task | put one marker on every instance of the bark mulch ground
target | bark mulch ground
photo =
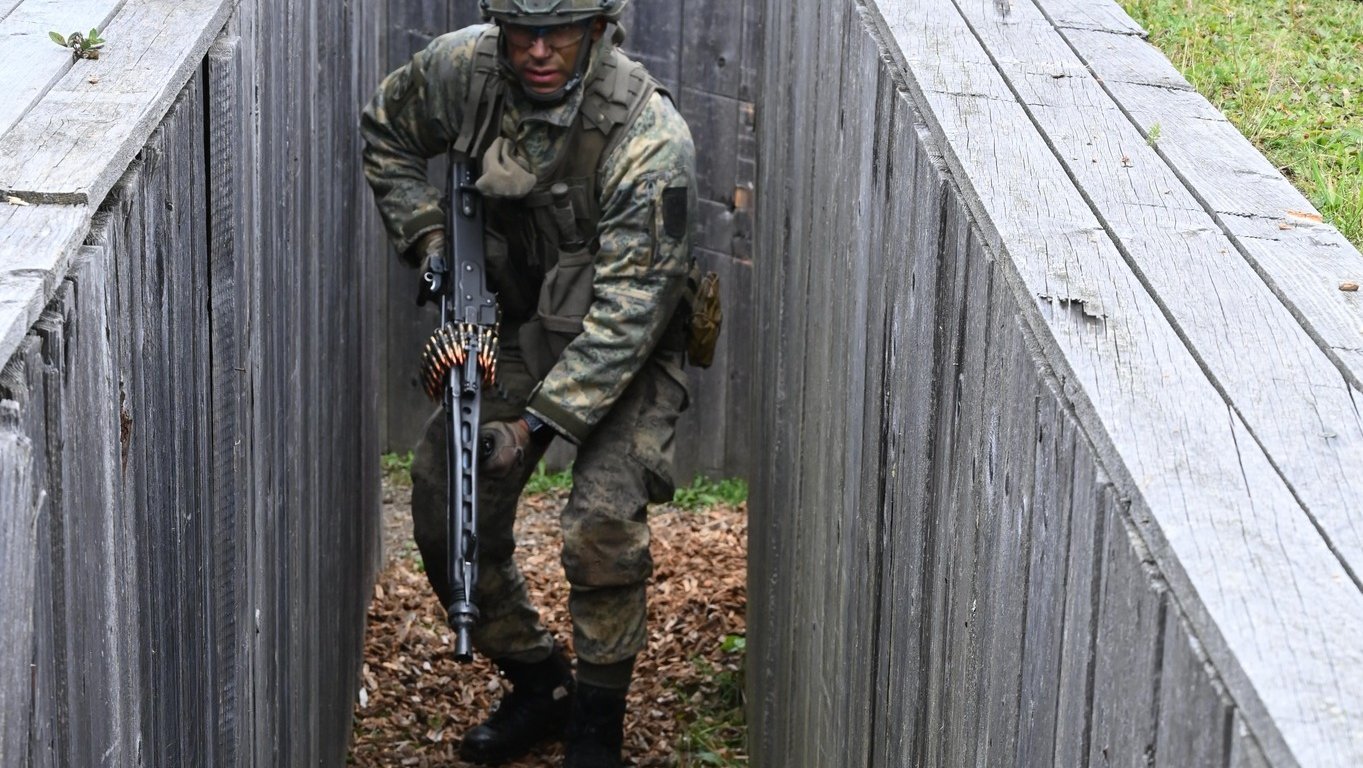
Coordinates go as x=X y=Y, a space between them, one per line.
x=415 y=700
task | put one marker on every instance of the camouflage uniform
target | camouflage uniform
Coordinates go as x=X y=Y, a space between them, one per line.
x=615 y=385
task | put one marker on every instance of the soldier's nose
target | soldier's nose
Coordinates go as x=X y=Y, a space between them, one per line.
x=540 y=49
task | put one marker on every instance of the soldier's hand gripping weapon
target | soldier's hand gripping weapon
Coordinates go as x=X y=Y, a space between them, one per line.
x=459 y=360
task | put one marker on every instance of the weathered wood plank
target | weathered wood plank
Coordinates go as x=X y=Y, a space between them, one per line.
x=1127 y=652
x=229 y=405
x=1092 y=495
x=1309 y=426
x=711 y=55
x=1245 y=751
x=36 y=243
x=1085 y=14
x=1030 y=200
x=908 y=594
x=32 y=61
x=1194 y=714
x=73 y=146
x=18 y=555
x=1047 y=583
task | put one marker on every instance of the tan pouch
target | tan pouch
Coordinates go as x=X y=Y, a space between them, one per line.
x=706 y=318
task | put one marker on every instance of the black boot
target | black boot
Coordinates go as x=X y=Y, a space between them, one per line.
x=597 y=732
x=537 y=710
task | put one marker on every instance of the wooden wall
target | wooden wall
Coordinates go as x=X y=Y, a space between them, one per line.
x=1032 y=387
x=706 y=52
x=188 y=439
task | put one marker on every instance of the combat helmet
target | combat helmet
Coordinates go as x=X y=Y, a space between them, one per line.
x=550 y=12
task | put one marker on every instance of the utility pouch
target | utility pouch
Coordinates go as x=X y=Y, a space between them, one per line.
x=706 y=318
x=565 y=298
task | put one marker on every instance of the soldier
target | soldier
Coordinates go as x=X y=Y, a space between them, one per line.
x=593 y=333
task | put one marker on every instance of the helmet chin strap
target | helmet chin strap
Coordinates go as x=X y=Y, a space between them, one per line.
x=584 y=55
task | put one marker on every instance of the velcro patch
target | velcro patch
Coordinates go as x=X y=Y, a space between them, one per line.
x=674 y=212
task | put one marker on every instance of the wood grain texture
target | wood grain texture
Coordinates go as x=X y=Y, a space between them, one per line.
x=76 y=142
x=18 y=553
x=177 y=600
x=1070 y=618
x=32 y=61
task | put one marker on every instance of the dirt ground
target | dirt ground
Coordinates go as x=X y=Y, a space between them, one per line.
x=416 y=700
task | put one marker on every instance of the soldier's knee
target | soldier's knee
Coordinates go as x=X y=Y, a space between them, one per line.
x=603 y=551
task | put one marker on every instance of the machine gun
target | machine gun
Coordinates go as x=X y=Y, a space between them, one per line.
x=459 y=360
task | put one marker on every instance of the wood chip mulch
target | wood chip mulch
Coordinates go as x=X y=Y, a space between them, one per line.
x=415 y=700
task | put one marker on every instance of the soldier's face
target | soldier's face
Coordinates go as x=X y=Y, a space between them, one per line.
x=544 y=57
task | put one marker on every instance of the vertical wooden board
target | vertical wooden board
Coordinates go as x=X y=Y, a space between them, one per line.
x=740 y=334
x=950 y=342
x=1010 y=571
x=716 y=119
x=44 y=372
x=1052 y=496
x=1244 y=747
x=655 y=33
x=911 y=528
x=754 y=30
x=101 y=675
x=1128 y=652
x=229 y=403
x=768 y=547
x=861 y=357
x=18 y=554
x=21 y=382
x=1194 y=715
x=964 y=501
x=1085 y=565
x=711 y=53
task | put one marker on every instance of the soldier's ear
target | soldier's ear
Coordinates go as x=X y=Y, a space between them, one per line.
x=598 y=28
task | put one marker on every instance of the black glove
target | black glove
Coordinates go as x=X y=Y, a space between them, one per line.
x=433 y=272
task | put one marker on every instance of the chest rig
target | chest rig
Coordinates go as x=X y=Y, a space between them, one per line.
x=542 y=278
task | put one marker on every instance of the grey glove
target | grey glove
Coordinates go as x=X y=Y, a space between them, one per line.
x=433 y=272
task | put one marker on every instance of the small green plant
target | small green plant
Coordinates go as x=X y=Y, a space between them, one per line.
x=1152 y=135
x=703 y=492
x=543 y=482
x=83 y=46
x=397 y=468
x=714 y=726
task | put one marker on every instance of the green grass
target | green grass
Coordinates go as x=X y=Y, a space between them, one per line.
x=544 y=482
x=397 y=468
x=714 y=730
x=1289 y=75
x=703 y=492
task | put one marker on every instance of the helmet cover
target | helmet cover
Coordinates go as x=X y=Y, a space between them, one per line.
x=550 y=12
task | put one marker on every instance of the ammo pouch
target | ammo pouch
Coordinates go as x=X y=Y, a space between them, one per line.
x=565 y=298
x=702 y=332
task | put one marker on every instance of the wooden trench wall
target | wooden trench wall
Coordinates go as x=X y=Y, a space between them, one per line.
x=188 y=439
x=1059 y=418
x=706 y=52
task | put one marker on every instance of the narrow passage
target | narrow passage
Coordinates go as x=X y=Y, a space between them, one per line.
x=686 y=703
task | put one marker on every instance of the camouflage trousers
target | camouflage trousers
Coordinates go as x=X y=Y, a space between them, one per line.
x=624 y=465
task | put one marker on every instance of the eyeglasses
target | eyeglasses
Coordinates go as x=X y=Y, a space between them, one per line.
x=558 y=37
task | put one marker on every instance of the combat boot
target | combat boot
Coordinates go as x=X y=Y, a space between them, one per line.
x=597 y=731
x=537 y=710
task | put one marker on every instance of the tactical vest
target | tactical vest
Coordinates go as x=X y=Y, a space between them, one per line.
x=544 y=288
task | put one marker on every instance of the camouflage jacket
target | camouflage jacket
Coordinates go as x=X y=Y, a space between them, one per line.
x=642 y=261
